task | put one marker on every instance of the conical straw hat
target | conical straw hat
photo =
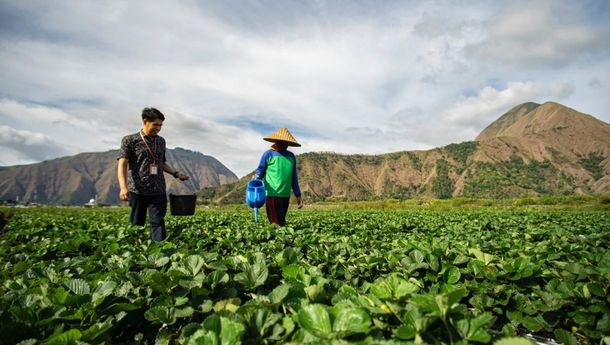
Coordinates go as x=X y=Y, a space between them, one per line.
x=284 y=135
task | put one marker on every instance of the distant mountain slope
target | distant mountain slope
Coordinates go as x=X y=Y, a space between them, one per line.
x=533 y=149
x=77 y=179
x=559 y=127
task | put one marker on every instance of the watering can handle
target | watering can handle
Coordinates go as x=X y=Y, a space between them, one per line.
x=254 y=178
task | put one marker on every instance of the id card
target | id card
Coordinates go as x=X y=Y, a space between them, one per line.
x=153 y=169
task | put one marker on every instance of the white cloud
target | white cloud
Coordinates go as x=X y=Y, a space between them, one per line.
x=36 y=114
x=237 y=148
x=29 y=146
x=485 y=107
x=542 y=33
x=343 y=76
x=73 y=131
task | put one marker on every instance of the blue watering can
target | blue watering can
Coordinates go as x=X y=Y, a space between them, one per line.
x=255 y=196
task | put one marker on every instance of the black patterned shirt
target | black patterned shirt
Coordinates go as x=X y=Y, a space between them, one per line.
x=140 y=158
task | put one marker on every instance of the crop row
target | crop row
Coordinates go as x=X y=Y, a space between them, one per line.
x=467 y=276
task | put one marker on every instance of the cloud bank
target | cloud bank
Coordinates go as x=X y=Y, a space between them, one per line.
x=348 y=77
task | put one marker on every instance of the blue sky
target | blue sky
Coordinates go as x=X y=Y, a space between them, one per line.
x=343 y=76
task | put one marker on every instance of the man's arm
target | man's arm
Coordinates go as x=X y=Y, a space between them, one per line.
x=168 y=169
x=122 y=174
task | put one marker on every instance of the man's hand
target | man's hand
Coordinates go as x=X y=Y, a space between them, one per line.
x=124 y=194
x=122 y=175
x=299 y=202
x=182 y=177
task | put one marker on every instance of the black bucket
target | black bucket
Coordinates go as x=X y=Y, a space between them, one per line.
x=182 y=205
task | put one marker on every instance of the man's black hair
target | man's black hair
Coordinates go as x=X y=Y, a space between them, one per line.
x=152 y=114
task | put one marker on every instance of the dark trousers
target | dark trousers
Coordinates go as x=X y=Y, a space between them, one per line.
x=277 y=207
x=156 y=206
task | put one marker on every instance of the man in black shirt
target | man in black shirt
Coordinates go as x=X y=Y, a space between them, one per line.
x=140 y=170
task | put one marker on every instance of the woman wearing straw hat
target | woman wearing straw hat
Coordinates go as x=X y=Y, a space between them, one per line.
x=278 y=169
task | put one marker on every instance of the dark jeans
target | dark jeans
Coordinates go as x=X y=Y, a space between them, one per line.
x=277 y=207
x=156 y=206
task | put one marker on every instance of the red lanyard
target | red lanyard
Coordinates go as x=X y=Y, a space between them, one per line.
x=152 y=153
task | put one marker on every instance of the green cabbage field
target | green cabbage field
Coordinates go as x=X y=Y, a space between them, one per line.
x=457 y=276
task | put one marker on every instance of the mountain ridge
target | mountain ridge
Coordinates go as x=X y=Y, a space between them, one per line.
x=531 y=150
x=77 y=179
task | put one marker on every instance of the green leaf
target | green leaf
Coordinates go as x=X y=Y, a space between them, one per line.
x=230 y=331
x=183 y=312
x=565 y=337
x=59 y=296
x=441 y=304
x=263 y=320
x=345 y=293
x=293 y=273
x=433 y=262
x=157 y=260
x=119 y=307
x=202 y=337
x=102 y=290
x=164 y=337
x=483 y=257
x=455 y=296
x=97 y=329
x=533 y=323
x=403 y=288
x=350 y=320
x=231 y=304
x=452 y=275
x=513 y=341
x=475 y=329
x=514 y=316
x=28 y=342
x=162 y=315
x=64 y=338
x=253 y=276
x=193 y=264
x=315 y=293
x=193 y=282
x=180 y=301
x=415 y=319
x=476 y=266
x=68 y=314
x=159 y=281
x=596 y=289
x=288 y=324
x=189 y=330
x=279 y=293
x=212 y=323
x=315 y=319
x=584 y=319
x=78 y=286
x=206 y=306
x=393 y=287
x=287 y=257
x=603 y=324
x=381 y=289
x=425 y=302
x=416 y=256
x=217 y=277
x=406 y=332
